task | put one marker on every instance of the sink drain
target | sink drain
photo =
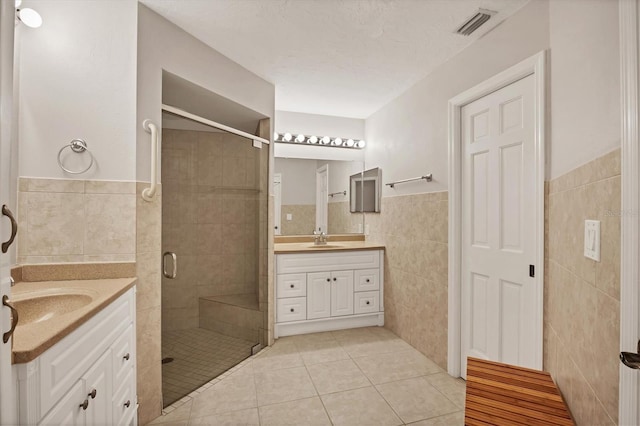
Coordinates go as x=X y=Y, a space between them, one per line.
x=167 y=360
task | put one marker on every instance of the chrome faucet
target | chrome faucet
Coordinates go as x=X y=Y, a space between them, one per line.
x=319 y=238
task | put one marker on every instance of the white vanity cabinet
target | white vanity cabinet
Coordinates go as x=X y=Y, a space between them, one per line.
x=88 y=377
x=331 y=290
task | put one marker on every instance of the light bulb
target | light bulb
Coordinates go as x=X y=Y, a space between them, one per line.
x=337 y=141
x=287 y=137
x=325 y=140
x=312 y=139
x=350 y=142
x=361 y=144
x=30 y=17
x=276 y=136
x=18 y=3
x=300 y=138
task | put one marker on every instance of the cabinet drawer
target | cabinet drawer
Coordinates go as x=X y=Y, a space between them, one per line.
x=122 y=356
x=367 y=279
x=292 y=309
x=327 y=261
x=291 y=285
x=124 y=399
x=366 y=302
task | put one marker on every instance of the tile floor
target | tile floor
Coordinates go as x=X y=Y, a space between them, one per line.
x=358 y=377
x=199 y=355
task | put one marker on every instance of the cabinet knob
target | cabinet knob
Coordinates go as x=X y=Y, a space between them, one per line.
x=127 y=404
x=126 y=357
x=368 y=303
x=292 y=309
x=93 y=394
x=367 y=279
x=328 y=279
x=292 y=286
x=85 y=404
x=335 y=279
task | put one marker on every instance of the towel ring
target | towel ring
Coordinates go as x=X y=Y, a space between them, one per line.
x=77 y=146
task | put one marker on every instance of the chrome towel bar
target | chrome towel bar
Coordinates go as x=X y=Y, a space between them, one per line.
x=428 y=178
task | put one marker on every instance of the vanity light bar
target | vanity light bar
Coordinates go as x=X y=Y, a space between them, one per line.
x=316 y=140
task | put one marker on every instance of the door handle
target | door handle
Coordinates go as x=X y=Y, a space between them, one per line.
x=14 y=319
x=14 y=228
x=174 y=272
x=630 y=359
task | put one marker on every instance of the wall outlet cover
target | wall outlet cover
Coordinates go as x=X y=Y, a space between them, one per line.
x=289 y=216
x=592 y=239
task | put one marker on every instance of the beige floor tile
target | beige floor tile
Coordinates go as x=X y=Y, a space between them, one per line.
x=276 y=361
x=374 y=346
x=362 y=407
x=389 y=367
x=452 y=388
x=308 y=412
x=283 y=385
x=317 y=352
x=415 y=399
x=230 y=394
x=178 y=416
x=353 y=334
x=247 y=417
x=337 y=376
x=455 y=419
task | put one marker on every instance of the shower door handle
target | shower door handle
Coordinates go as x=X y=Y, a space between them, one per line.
x=174 y=258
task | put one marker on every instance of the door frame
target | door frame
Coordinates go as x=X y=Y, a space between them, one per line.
x=629 y=380
x=534 y=65
x=277 y=203
x=322 y=201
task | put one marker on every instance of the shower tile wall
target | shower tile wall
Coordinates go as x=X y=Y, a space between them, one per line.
x=209 y=219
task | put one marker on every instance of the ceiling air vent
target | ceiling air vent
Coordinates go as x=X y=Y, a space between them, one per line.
x=475 y=22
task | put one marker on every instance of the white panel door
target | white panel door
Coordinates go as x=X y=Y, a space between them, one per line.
x=68 y=411
x=98 y=385
x=318 y=295
x=322 y=198
x=498 y=234
x=341 y=293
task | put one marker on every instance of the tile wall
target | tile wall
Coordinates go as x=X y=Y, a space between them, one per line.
x=414 y=230
x=71 y=221
x=303 y=219
x=148 y=300
x=582 y=297
x=342 y=221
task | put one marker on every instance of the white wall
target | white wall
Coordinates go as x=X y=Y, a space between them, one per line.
x=585 y=82
x=408 y=137
x=78 y=80
x=319 y=125
x=163 y=45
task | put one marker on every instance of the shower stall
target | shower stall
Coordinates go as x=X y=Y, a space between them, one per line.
x=214 y=244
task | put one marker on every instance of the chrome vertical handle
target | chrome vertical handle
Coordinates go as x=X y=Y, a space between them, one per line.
x=14 y=319
x=14 y=228
x=174 y=271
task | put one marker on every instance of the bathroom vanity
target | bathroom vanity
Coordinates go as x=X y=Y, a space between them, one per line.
x=332 y=287
x=76 y=364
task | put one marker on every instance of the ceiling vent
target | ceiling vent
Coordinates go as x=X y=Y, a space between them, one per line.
x=475 y=22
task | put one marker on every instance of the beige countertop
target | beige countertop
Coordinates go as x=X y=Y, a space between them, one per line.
x=31 y=339
x=308 y=247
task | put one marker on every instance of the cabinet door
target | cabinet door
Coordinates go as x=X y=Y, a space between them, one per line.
x=68 y=410
x=318 y=295
x=99 y=391
x=341 y=293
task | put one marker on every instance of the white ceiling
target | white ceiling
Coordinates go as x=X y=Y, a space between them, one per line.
x=334 y=57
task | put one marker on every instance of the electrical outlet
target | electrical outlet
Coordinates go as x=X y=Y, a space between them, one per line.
x=289 y=216
x=592 y=239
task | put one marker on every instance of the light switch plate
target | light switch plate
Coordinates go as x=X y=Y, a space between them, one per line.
x=592 y=239
x=289 y=216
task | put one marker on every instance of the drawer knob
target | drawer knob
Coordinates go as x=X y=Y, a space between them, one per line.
x=93 y=394
x=127 y=404
x=292 y=309
x=85 y=404
x=368 y=280
x=328 y=279
x=126 y=357
x=292 y=286
x=368 y=303
x=334 y=278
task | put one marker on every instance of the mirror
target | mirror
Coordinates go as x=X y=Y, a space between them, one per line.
x=314 y=195
x=365 y=191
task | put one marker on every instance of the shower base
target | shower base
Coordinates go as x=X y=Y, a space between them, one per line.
x=199 y=355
